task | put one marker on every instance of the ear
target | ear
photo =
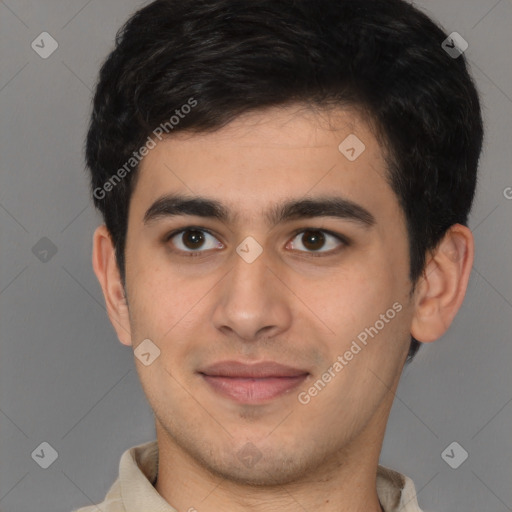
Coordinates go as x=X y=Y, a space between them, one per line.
x=105 y=267
x=441 y=289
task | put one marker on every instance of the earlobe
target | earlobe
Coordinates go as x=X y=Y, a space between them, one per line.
x=441 y=289
x=105 y=267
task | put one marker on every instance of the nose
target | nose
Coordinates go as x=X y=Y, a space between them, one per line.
x=253 y=302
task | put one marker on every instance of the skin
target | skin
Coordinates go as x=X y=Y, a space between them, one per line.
x=287 y=306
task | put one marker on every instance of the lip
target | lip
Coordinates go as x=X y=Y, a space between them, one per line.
x=254 y=382
x=258 y=370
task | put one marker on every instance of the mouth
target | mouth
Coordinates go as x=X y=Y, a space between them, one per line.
x=252 y=383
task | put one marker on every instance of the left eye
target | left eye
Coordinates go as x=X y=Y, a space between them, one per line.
x=314 y=240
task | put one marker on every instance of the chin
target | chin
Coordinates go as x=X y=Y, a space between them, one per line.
x=262 y=476
x=270 y=469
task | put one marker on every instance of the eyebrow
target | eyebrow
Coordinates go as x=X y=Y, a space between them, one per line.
x=173 y=205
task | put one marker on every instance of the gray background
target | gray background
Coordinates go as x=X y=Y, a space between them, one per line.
x=66 y=380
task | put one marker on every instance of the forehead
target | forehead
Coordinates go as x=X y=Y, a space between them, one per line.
x=267 y=156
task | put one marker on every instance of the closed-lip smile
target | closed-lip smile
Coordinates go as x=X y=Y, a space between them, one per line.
x=252 y=382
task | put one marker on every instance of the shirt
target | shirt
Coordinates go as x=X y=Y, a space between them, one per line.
x=133 y=491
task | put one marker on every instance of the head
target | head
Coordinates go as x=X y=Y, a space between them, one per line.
x=246 y=103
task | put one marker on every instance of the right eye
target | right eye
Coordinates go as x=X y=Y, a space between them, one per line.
x=193 y=241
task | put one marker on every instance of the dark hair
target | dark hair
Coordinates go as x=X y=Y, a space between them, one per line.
x=234 y=56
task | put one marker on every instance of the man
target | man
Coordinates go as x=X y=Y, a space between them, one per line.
x=285 y=188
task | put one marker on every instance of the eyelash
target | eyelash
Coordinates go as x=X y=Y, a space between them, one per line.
x=191 y=254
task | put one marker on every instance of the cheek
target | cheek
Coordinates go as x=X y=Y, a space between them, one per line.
x=156 y=299
x=158 y=308
x=352 y=299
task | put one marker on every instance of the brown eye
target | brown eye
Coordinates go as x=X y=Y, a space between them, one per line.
x=317 y=241
x=313 y=240
x=192 y=239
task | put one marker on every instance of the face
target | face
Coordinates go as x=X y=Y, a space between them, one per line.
x=279 y=299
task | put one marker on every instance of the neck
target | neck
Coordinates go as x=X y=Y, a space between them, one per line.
x=344 y=482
